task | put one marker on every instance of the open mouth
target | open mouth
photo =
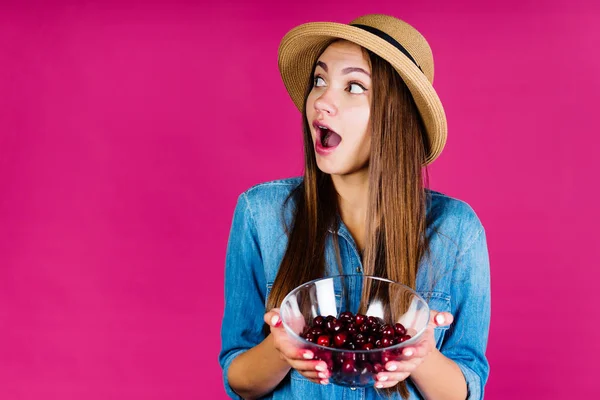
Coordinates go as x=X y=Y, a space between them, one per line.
x=327 y=136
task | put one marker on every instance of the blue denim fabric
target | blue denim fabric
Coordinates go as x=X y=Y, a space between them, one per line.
x=455 y=278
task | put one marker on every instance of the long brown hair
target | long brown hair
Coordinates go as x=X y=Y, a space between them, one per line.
x=396 y=218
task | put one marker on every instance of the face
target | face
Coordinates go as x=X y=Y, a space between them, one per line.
x=338 y=109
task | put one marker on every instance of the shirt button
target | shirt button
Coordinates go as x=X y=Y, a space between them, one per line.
x=352 y=388
x=358 y=269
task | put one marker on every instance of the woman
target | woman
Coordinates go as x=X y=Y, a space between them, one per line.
x=372 y=122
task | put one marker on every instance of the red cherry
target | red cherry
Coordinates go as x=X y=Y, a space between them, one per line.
x=360 y=339
x=368 y=346
x=323 y=340
x=400 y=329
x=359 y=319
x=332 y=325
x=388 y=330
x=338 y=326
x=319 y=321
x=348 y=367
x=387 y=357
x=340 y=339
x=403 y=338
x=347 y=317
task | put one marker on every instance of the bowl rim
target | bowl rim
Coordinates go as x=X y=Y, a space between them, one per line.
x=407 y=343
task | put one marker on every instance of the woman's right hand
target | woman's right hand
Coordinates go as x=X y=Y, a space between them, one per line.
x=298 y=358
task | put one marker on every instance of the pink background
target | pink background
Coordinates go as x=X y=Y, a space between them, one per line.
x=127 y=130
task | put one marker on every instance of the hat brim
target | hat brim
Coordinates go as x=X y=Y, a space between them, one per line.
x=300 y=46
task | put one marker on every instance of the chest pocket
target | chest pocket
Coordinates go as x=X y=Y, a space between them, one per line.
x=438 y=301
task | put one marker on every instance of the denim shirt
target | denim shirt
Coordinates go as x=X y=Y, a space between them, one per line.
x=455 y=278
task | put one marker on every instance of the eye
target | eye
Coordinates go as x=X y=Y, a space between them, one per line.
x=318 y=81
x=356 y=88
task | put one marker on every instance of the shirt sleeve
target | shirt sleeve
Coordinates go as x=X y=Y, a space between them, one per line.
x=244 y=291
x=467 y=337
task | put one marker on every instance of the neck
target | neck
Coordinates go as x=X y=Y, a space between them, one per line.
x=353 y=197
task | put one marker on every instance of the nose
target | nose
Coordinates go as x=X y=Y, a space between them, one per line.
x=325 y=103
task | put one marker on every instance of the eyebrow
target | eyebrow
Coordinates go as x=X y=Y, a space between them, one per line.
x=346 y=70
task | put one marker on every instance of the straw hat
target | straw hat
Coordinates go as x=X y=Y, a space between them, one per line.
x=390 y=38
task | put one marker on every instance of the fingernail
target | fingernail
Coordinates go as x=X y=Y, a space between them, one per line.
x=319 y=367
x=382 y=378
x=379 y=385
x=324 y=382
x=439 y=319
x=408 y=353
x=275 y=320
x=308 y=355
x=391 y=367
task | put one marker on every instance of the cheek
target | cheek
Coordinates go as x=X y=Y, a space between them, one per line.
x=358 y=122
x=310 y=101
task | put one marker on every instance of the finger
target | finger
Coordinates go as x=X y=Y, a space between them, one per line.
x=440 y=318
x=272 y=318
x=410 y=353
x=387 y=381
x=400 y=366
x=309 y=366
x=314 y=375
x=292 y=353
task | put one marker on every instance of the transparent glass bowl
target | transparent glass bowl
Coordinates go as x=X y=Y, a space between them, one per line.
x=358 y=294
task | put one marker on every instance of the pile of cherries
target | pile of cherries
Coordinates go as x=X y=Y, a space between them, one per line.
x=354 y=332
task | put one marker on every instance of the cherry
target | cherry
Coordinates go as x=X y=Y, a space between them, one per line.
x=340 y=339
x=360 y=340
x=323 y=340
x=348 y=367
x=359 y=319
x=387 y=357
x=388 y=330
x=400 y=329
x=364 y=328
x=337 y=327
x=403 y=338
x=347 y=317
x=331 y=324
x=319 y=321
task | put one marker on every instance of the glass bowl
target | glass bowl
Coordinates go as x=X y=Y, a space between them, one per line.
x=338 y=300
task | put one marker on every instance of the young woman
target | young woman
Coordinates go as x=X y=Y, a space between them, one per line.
x=372 y=123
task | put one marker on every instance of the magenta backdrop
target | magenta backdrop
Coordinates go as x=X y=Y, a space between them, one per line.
x=128 y=130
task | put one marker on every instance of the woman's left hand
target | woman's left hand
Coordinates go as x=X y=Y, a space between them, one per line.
x=413 y=356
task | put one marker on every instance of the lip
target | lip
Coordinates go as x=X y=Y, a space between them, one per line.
x=318 y=146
